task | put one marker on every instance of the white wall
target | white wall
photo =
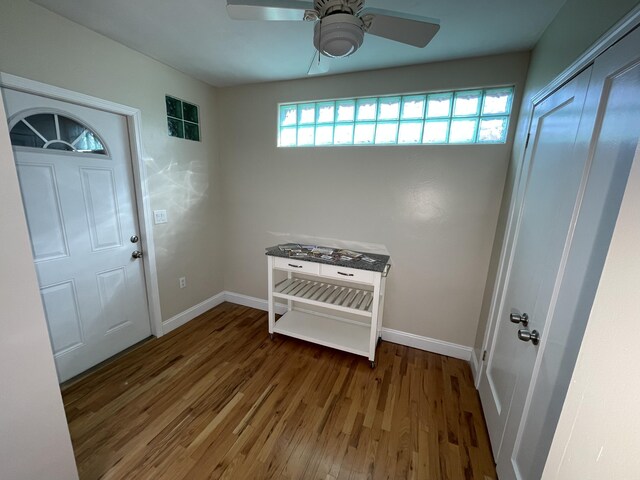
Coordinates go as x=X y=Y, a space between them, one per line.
x=578 y=24
x=433 y=207
x=34 y=438
x=598 y=434
x=183 y=176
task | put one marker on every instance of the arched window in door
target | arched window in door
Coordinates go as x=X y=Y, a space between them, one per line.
x=56 y=132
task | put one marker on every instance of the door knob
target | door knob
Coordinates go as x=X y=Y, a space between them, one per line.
x=527 y=336
x=524 y=319
x=134 y=239
x=136 y=254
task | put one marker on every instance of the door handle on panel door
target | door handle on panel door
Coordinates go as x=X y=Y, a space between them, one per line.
x=524 y=319
x=527 y=336
x=136 y=254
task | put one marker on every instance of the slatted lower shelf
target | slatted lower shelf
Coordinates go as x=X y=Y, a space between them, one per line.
x=346 y=299
x=346 y=336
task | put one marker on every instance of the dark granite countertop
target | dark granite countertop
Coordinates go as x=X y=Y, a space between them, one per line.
x=380 y=264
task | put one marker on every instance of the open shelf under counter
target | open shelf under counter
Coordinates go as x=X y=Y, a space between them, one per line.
x=347 y=336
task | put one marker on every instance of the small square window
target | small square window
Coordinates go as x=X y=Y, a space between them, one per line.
x=325 y=112
x=191 y=131
x=410 y=132
x=190 y=112
x=288 y=137
x=413 y=107
x=366 y=109
x=497 y=101
x=467 y=103
x=345 y=110
x=343 y=134
x=435 y=131
x=439 y=105
x=493 y=130
x=176 y=127
x=306 y=135
x=364 y=133
x=288 y=115
x=389 y=108
x=386 y=133
x=463 y=131
x=306 y=114
x=174 y=107
x=324 y=135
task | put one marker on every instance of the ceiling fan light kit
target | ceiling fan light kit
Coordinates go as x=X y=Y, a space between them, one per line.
x=338 y=35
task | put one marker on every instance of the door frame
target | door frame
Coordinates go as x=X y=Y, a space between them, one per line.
x=140 y=183
x=617 y=32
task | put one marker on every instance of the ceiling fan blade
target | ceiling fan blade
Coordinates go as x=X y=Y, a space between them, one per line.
x=319 y=64
x=271 y=10
x=410 y=29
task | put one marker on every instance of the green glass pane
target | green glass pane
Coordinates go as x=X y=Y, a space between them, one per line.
x=345 y=110
x=190 y=112
x=343 y=134
x=191 y=131
x=410 y=132
x=386 y=133
x=174 y=107
x=463 y=131
x=439 y=105
x=493 y=130
x=288 y=115
x=497 y=101
x=467 y=103
x=306 y=136
x=325 y=112
x=364 y=133
x=288 y=136
x=176 y=127
x=366 y=109
x=413 y=107
x=306 y=114
x=435 y=131
x=389 y=108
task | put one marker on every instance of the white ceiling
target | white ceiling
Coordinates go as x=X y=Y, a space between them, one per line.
x=197 y=36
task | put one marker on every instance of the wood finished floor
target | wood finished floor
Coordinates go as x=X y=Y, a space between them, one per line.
x=218 y=399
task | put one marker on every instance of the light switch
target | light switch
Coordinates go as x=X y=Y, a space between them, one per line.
x=160 y=216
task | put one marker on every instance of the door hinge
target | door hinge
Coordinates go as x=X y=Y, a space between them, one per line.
x=484 y=355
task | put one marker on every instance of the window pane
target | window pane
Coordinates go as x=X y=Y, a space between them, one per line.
x=89 y=143
x=493 y=130
x=44 y=124
x=364 y=133
x=174 y=107
x=439 y=105
x=23 y=136
x=497 y=101
x=70 y=130
x=190 y=112
x=176 y=127
x=410 y=132
x=467 y=103
x=463 y=131
x=288 y=136
x=325 y=112
x=389 y=108
x=386 y=133
x=367 y=109
x=324 y=135
x=191 y=131
x=435 y=131
x=288 y=115
x=413 y=107
x=305 y=135
x=346 y=110
x=343 y=134
x=307 y=114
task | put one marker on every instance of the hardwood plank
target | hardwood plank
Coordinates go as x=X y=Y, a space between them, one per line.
x=217 y=399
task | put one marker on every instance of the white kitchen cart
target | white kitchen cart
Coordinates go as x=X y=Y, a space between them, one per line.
x=353 y=295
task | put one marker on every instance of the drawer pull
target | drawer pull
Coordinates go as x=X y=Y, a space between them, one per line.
x=346 y=274
x=295 y=266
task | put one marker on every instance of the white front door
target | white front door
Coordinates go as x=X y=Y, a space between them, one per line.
x=75 y=174
x=559 y=252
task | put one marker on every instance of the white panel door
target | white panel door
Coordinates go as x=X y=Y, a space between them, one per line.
x=608 y=136
x=81 y=213
x=555 y=172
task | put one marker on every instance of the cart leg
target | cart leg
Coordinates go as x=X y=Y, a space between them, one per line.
x=372 y=364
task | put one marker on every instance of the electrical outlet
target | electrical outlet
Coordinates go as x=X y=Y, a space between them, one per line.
x=183 y=282
x=159 y=216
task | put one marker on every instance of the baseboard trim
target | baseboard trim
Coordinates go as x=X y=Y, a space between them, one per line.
x=191 y=313
x=428 y=344
x=253 y=302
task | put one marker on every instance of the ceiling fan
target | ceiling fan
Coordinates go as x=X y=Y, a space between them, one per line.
x=340 y=25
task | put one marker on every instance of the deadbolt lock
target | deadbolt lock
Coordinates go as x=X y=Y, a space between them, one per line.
x=523 y=319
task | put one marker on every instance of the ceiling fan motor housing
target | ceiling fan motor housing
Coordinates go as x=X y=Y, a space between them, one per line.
x=338 y=35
